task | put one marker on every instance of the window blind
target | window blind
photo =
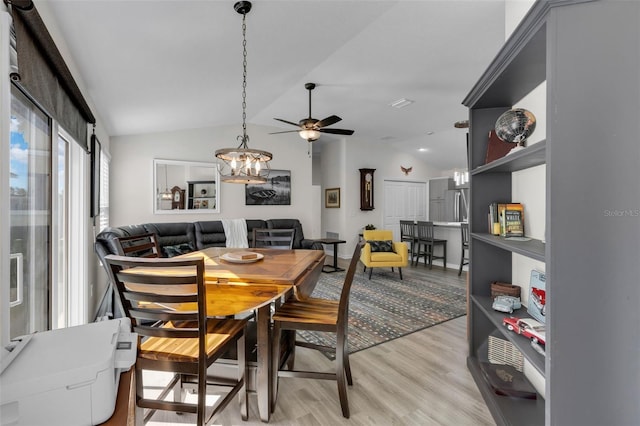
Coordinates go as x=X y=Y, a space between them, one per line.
x=44 y=75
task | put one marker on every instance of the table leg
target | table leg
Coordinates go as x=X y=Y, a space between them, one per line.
x=264 y=385
x=334 y=267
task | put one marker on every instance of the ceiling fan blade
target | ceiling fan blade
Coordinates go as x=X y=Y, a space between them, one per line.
x=328 y=121
x=337 y=131
x=288 y=122
x=286 y=131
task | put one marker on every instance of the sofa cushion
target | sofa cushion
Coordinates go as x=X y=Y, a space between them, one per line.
x=209 y=234
x=178 y=249
x=173 y=234
x=381 y=246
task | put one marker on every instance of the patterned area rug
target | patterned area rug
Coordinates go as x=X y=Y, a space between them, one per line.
x=385 y=307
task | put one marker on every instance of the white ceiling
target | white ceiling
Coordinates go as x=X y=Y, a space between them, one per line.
x=161 y=65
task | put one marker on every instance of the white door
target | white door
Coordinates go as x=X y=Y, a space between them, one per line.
x=403 y=201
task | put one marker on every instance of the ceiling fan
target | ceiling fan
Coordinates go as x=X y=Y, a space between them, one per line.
x=310 y=128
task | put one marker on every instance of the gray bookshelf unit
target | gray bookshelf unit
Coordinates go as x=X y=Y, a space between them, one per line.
x=588 y=52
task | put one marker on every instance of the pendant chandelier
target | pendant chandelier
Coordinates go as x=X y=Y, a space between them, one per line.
x=242 y=164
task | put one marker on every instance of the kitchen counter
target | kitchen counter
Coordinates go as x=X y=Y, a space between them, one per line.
x=450 y=231
x=448 y=224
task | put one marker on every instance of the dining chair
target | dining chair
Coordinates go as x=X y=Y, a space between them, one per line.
x=143 y=245
x=273 y=238
x=317 y=315
x=182 y=340
x=426 y=244
x=464 y=260
x=408 y=234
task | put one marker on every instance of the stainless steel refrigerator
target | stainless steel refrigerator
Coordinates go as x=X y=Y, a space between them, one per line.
x=456 y=205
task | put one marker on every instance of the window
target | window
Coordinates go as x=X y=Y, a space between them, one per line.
x=30 y=217
x=103 y=218
x=48 y=222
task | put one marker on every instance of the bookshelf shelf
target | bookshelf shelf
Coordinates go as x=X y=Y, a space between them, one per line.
x=534 y=249
x=522 y=343
x=531 y=156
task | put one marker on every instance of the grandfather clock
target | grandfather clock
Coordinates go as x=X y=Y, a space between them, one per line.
x=366 y=189
x=177 y=198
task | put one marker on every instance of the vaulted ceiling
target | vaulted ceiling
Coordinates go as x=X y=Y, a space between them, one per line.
x=152 y=66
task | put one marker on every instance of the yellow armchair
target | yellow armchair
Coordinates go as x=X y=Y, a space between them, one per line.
x=399 y=257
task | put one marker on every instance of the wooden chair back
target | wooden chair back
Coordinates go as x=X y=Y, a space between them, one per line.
x=407 y=230
x=143 y=245
x=274 y=238
x=154 y=297
x=343 y=309
x=464 y=230
x=425 y=230
x=167 y=309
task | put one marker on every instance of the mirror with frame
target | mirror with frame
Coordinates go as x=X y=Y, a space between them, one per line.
x=185 y=187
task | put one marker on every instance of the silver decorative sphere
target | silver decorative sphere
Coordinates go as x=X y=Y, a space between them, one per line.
x=515 y=125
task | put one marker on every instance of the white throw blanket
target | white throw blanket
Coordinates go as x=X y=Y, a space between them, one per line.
x=235 y=231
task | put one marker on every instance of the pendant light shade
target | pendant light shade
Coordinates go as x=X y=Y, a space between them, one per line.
x=242 y=164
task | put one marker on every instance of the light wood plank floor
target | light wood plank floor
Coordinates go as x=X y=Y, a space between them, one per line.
x=419 y=379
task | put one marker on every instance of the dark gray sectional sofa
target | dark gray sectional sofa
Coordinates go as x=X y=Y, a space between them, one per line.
x=183 y=237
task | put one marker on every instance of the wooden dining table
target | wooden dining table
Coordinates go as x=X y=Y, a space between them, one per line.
x=237 y=288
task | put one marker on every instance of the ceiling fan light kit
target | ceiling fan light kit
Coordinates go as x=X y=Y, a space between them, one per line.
x=242 y=164
x=311 y=128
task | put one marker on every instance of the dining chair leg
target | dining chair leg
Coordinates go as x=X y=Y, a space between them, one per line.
x=242 y=376
x=275 y=363
x=290 y=336
x=444 y=255
x=345 y=352
x=341 y=375
x=202 y=393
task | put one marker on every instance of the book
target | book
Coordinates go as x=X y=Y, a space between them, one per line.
x=511 y=219
x=494 y=219
x=500 y=215
x=537 y=306
x=514 y=220
x=242 y=255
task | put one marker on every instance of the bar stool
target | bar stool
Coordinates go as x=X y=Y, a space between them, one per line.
x=464 y=231
x=408 y=234
x=426 y=244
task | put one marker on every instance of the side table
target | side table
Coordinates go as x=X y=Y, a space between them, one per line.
x=334 y=242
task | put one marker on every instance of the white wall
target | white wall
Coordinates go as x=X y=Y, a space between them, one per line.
x=132 y=175
x=341 y=161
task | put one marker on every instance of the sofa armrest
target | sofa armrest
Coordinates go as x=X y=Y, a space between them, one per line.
x=311 y=245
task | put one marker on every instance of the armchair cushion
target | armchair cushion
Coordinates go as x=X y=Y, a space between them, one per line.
x=381 y=246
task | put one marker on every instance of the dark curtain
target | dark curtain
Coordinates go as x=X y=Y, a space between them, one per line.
x=44 y=75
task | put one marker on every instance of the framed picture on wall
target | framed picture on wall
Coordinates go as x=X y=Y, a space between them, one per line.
x=332 y=198
x=275 y=192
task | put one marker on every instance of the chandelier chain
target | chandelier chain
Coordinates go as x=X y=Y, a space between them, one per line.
x=244 y=80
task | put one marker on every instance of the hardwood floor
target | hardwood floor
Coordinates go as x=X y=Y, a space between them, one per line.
x=419 y=379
